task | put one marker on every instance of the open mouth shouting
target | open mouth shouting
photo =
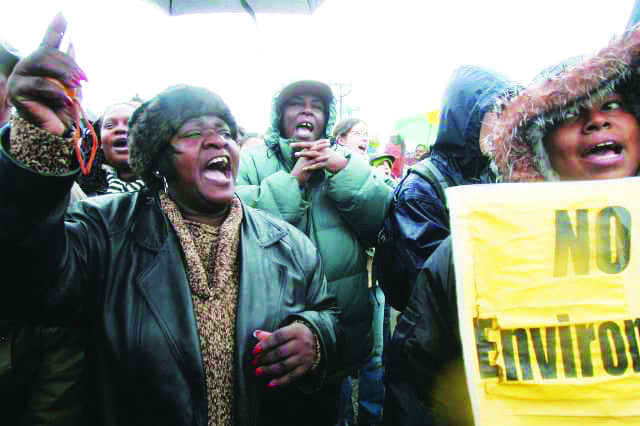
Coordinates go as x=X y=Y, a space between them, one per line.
x=602 y=142
x=218 y=170
x=120 y=145
x=605 y=153
x=303 y=117
x=304 y=130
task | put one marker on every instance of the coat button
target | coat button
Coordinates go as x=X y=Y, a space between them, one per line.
x=2 y=339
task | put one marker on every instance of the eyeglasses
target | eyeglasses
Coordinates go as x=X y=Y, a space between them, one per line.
x=360 y=133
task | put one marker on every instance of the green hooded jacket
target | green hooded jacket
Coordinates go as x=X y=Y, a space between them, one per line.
x=341 y=213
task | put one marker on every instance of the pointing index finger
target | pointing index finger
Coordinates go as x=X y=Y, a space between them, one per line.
x=55 y=32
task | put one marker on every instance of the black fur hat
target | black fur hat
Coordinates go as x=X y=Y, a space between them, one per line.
x=156 y=122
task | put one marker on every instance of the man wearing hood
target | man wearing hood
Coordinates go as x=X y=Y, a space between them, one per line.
x=581 y=121
x=420 y=216
x=334 y=197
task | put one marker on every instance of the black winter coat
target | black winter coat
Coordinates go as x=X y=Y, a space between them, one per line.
x=41 y=370
x=115 y=265
x=424 y=370
x=421 y=347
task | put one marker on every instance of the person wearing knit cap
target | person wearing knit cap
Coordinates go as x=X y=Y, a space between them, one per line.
x=198 y=308
x=330 y=194
x=382 y=162
x=578 y=121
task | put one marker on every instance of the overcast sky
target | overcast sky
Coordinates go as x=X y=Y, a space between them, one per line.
x=396 y=55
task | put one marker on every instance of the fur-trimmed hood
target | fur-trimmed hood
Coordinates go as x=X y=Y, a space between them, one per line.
x=278 y=144
x=516 y=143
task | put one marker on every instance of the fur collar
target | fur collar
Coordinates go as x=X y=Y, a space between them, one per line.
x=516 y=143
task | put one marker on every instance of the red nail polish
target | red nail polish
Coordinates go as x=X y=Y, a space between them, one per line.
x=271 y=385
x=259 y=371
x=256 y=350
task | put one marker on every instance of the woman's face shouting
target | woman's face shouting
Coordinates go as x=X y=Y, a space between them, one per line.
x=206 y=163
x=114 y=134
x=600 y=142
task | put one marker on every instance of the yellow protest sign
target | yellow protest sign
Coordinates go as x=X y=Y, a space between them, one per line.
x=549 y=301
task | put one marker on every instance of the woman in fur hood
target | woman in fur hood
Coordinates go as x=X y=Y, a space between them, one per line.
x=578 y=121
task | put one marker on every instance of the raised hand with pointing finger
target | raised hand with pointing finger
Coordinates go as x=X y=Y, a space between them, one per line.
x=42 y=84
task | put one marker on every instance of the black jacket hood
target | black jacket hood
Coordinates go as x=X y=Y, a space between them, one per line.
x=470 y=93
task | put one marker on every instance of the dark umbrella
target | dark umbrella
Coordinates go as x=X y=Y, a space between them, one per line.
x=184 y=7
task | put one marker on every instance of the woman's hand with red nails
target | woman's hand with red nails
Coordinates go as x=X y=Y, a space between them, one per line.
x=285 y=355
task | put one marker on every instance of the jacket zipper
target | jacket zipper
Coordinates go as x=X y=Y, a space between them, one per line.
x=270 y=326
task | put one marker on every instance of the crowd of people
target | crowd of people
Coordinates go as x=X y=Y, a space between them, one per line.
x=203 y=274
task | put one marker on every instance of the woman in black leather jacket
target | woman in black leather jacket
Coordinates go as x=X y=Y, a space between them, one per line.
x=198 y=309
